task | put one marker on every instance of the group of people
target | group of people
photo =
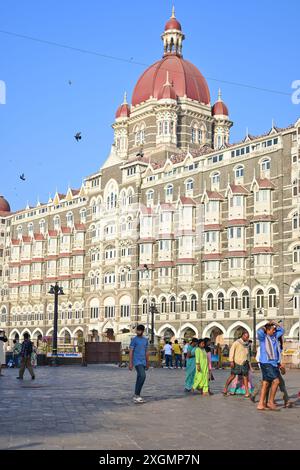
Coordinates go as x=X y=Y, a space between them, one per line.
x=24 y=355
x=198 y=362
x=269 y=361
x=178 y=352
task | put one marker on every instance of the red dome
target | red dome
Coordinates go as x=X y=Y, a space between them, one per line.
x=173 y=24
x=4 y=206
x=123 y=111
x=185 y=77
x=220 y=108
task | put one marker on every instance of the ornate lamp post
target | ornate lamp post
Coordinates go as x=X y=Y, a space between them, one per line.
x=56 y=291
x=254 y=331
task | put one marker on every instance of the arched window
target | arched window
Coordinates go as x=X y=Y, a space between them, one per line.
x=245 y=300
x=30 y=229
x=189 y=185
x=56 y=222
x=201 y=133
x=234 y=301
x=150 y=196
x=130 y=197
x=296 y=254
x=169 y=190
x=184 y=304
x=265 y=165
x=239 y=171
x=272 y=298
x=169 y=193
x=83 y=216
x=194 y=135
x=163 y=305
x=145 y=307
x=142 y=134
x=260 y=299
x=172 y=305
x=70 y=219
x=215 y=178
x=296 y=224
x=296 y=187
x=210 y=302
x=194 y=303
x=137 y=137
x=20 y=231
x=219 y=141
x=42 y=224
x=220 y=301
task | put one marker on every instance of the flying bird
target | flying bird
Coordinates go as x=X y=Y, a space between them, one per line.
x=77 y=136
x=22 y=177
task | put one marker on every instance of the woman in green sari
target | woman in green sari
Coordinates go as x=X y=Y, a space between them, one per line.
x=190 y=365
x=201 y=381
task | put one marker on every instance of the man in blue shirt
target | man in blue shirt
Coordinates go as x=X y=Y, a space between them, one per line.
x=139 y=358
x=269 y=359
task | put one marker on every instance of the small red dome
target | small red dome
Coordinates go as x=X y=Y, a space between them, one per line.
x=4 y=205
x=220 y=108
x=187 y=81
x=123 y=111
x=173 y=24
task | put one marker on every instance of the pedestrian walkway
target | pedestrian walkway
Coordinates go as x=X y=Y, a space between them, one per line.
x=91 y=408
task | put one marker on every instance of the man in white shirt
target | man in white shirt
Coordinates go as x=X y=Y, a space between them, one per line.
x=168 y=355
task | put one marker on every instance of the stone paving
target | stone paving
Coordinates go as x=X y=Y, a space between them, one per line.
x=74 y=407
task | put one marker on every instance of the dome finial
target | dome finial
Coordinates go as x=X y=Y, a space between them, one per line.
x=173 y=12
x=125 y=98
x=220 y=95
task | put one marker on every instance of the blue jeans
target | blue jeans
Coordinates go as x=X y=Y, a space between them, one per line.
x=169 y=362
x=178 y=360
x=140 y=379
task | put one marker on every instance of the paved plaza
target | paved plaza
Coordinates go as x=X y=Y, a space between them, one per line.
x=74 y=407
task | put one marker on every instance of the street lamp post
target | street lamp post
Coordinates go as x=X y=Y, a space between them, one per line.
x=56 y=291
x=254 y=330
x=153 y=312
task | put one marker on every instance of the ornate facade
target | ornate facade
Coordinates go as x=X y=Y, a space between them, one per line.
x=177 y=217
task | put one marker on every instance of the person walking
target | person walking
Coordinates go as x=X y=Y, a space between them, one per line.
x=239 y=362
x=3 y=340
x=201 y=380
x=139 y=358
x=168 y=355
x=34 y=356
x=190 y=365
x=16 y=350
x=185 y=350
x=178 y=354
x=269 y=359
x=26 y=352
x=207 y=343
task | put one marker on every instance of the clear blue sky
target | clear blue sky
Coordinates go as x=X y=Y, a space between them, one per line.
x=253 y=42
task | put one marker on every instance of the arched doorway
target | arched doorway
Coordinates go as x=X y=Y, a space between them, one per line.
x=239 y=332
x=168 y=334
x=189 y=334
x=216 y=335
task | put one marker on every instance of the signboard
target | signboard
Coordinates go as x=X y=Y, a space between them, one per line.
x=65 y=355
